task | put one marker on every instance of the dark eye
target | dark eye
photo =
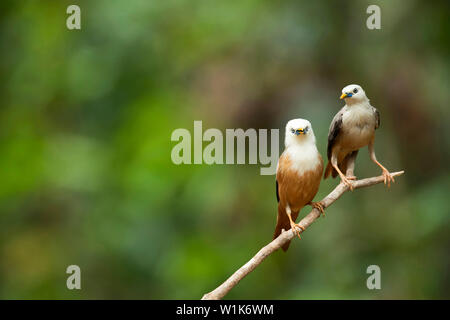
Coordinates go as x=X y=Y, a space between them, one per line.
x=355 y=90
x=292 y=130
x=306 y=129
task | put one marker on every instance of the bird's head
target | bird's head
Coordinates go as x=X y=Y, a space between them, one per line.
x=353 y=93
x=299 y=131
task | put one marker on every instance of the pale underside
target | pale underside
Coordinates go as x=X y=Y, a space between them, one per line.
x=356 y=130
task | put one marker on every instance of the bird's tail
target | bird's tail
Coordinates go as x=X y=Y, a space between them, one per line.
x=283 y=223
x=330 y=170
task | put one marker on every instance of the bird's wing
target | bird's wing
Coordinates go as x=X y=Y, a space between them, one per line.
x=377 y=117
x=333 y=133
x=280 y=177
x=278 y=195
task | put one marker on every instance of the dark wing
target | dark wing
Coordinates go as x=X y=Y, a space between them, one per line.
x=377 y=117
x=278 y=195
x=335 y=129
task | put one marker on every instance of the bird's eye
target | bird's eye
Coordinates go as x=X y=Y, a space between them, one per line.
x=293 y=130
x=355 y=90
x=306 y=129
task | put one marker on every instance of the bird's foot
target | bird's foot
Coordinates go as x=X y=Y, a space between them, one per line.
x=294 y=227
x=347 y=182
x=318 y=206
x=351 y=177
x=388 y=177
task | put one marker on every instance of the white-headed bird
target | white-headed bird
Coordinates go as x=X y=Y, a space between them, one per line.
x=352 y=128
x=299 y=173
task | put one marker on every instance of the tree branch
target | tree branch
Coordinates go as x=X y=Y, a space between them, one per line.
x=284 y=237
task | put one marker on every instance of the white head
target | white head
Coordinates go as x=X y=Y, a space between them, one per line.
x=298 y=132
x=353 y=93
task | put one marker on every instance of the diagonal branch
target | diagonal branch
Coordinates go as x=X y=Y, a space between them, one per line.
x=276 y=244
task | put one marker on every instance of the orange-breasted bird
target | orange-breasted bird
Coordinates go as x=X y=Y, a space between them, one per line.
x=299 y=173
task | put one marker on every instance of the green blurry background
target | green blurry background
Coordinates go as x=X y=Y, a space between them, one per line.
x=86 y=175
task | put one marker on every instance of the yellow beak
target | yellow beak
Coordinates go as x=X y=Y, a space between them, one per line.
x=344 y=95
x=299 y=131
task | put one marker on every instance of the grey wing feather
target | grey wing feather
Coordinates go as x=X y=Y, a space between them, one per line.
x=377 y=117
x=278 y=195
x=335 y=129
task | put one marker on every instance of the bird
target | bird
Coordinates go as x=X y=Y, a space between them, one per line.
x=298 y=176
x=351 y=129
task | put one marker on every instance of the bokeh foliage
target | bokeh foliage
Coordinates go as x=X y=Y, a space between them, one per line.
x=85 y=125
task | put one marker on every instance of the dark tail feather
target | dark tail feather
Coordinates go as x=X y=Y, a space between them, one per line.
x=329 y=170
x=334 y=173
x=283 y=223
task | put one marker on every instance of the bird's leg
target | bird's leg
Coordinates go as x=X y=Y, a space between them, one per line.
x=351 y=166
x=388 y=178
x=349 y=174
x=343 y=177
x=293 y=224
x=318 y=206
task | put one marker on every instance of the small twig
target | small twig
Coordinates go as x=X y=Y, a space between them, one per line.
x=284 y=237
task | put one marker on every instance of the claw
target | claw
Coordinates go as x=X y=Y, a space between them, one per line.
x=346 y=181
x=388 y=178
x=318 y=206
x=294 y=228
